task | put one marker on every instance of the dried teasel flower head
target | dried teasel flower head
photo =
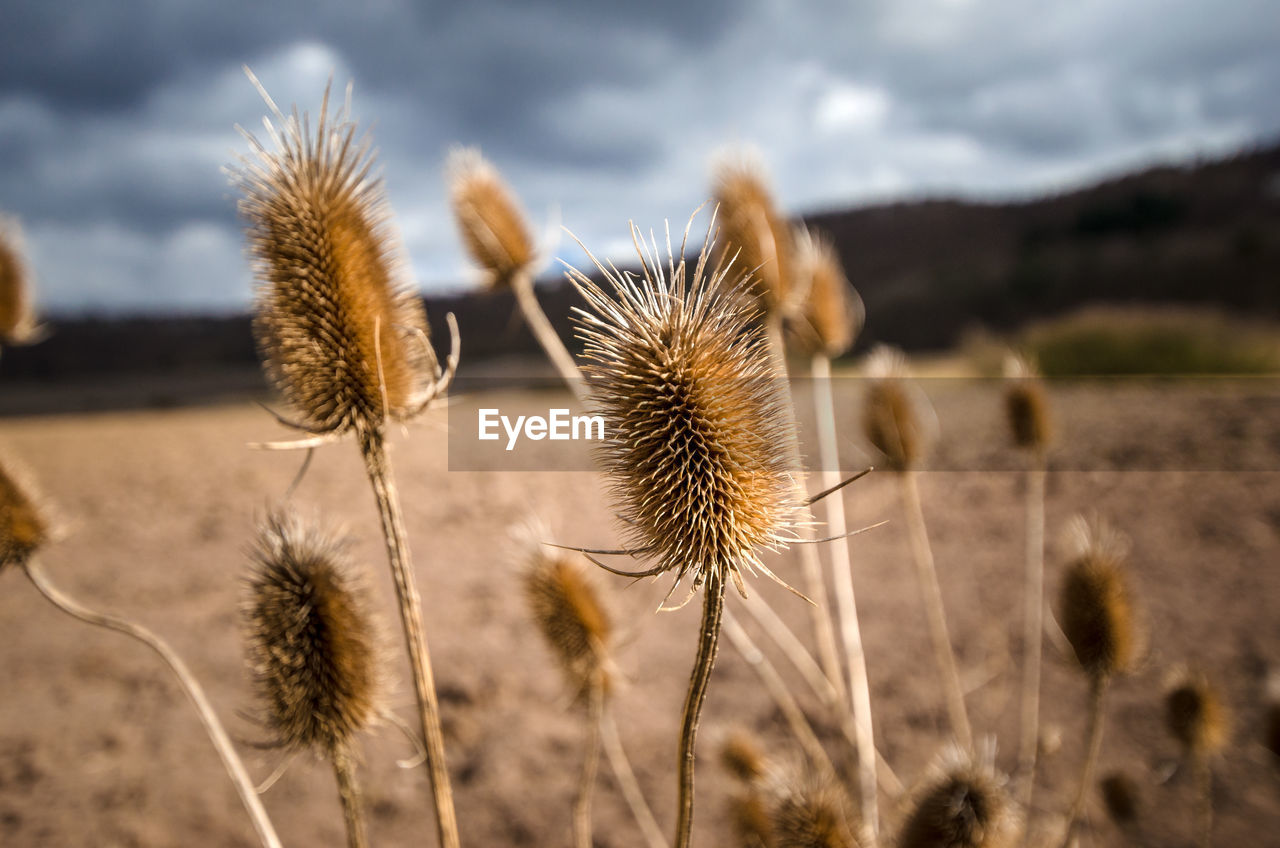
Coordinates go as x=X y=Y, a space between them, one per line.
x=753 y=231
x=1026 y=406
x=1121 y=796
x=831 y=314
x=749 y=820
x=741 y=755
x=1095 y=607
x=1195 y=714
x=17 y=314
x=312 y=643
x=897 y=419
x=700 y=441
x=340 y=328
x=809 y=812
x=491 y=225
x=25 y=526
x=962 y=804
x=572 y=618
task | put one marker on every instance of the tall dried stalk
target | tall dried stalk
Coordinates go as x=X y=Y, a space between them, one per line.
x=344 y=768
x=1093 y=733
x=590 y=765
x=1032 y=631
x=611 y=741
x=548 y=338
x=704 y=661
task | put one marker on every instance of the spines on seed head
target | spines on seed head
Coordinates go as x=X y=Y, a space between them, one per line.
x=832 y=313
x=1095 y=605
x=809 y=812
x=492 y=227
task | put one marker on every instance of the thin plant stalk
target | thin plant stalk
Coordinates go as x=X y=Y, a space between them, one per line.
x=1204 y=778
x=708 y=645
x=1032 y=629
x=794 y=650
x=373 y=448
x=590 y=767
x=344 y=768
x=1097 y=693
x=927 y=577
x=627 y=783
x=540 y=326
x=230 y=759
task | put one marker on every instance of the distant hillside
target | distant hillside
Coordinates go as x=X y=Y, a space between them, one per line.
x=928 y=271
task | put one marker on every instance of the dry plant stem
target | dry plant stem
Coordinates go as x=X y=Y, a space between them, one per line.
x=344 y=768
x=230 y=759
x=708 y=644
x=927 y=577
x=373 y=447
x=627 y=782
x=1032 y=630
x=787 y=641
x=846 y=602
x=590 y=766
x=1096 y=697
x=522 y=285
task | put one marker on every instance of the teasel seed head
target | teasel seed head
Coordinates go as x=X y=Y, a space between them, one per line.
x=1195 y=714
x=312 y=643
x=572 y=618
x=809 y=812
x=753 y=231
x=1095 y=606
x=25 y=526
x=490 y=222
x=749 y=819
x=962 y=804
x=832 y=313
x=17 y=314
x=1026 y=405
x=897 y=420
x=700 y=441
x=342 y=333
x=741 y=755
x=1122 y=798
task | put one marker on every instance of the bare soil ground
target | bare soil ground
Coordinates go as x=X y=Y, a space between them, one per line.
x=99 y=747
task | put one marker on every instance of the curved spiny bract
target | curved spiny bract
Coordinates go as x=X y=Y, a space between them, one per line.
x=832 y=313
x=962 y=804
x=342 y=333
x=753 y=230
x=700 y=438
x=17 y=315
x=491 y=225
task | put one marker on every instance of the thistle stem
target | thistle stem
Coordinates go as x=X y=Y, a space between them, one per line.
x=230 y=759
x=927 y=577
x=373 y=448
x=846 y=602
x=1097 y=692
x=708 y=644
x=536 y=319
x=1032 y=631
x=590 y=766
x=627 y=782
x=344 y=768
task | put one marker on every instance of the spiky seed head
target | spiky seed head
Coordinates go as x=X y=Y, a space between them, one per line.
x=1195 y=714
x=312 y=643
x=341 y=332
x=700 y=442
x=832 y=313
x=962 y=804
x=1026 y=405
x=24 y=523
x=1095 y=606
x=809 y=812
x=572 y=618
x=491 y=225
x=1122 y=797
x=753 y=231
x=749 y=819
x=895 y=419
x=742 y=757
x=17 y=315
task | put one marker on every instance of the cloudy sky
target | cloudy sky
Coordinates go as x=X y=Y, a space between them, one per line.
x=117 y=119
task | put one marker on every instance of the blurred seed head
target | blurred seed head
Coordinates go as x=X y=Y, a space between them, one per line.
x=312 y=642
x=896 y=419
x=1122 y=797
x=1095 y=606
x=491 y=225
x=832 y=313
x=962 y=804
x=17 y=313
x=1026 y=405
x=809 y=812
x=749 y=820
x=753 y=230
x=700 y=440
x=24 y=521
x=1195 y=714
x=572 y=619
x=341 y=330
x=741 y=755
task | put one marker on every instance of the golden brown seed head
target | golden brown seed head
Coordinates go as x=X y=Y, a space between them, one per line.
x=699 y=435
x=572 y=619
x=750 y=821
x=962 y=805
x=17 y=316
x=24 y=526
x=1095 y=606
x=809 y=812
x=832 y=313
x=753 y=230
x=341 y=332
x=741 y=755
x=1026 y=406
x=1195 y=714
x=894 y=418
x=1121 y=795
x=489 y=221
x=311 y=641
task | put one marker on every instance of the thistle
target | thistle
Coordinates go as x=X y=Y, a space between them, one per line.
x=1197 y=718
x=25 y=526
x=17 y=316
x=753 y=231
x=1026 y=407
x=700 y=440
x=831 y=313
x=313 y=647
x=809 y=812
x=962 y=805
